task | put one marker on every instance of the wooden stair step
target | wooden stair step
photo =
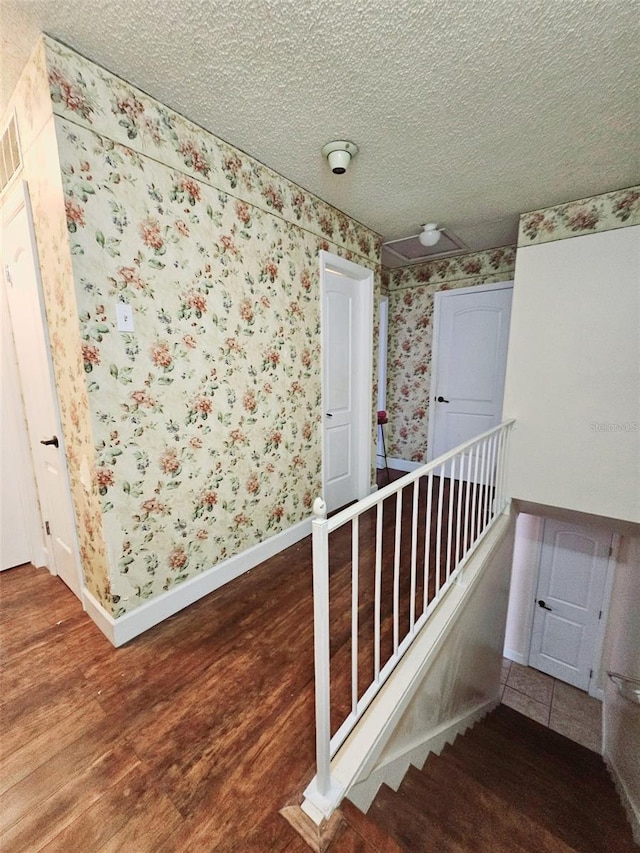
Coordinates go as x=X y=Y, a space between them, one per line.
x=536 y=735
x=475 y=814
x=583 y=818
x=406 y=823
x=557 y=756
x=375 y=837
x=508 y=785
x=538 y=763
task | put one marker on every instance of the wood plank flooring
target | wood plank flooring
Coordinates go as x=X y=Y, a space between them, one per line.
x=509 y=784
x=192 y=736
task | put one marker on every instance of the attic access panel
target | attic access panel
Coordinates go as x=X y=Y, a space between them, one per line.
x=410 y=250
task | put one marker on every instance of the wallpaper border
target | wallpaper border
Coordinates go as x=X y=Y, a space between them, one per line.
x=82 y=91
x=469 y=267
x=591 y=215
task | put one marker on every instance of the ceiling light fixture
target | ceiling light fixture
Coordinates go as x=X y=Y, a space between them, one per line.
x=339 y=155
x=430 y=235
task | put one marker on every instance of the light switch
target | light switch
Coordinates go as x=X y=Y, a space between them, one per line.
x=124 y=317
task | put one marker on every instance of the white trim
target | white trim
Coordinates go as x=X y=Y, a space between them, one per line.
x=154 y=611
x=535 y=555
x=517 y=657
x=403 y=464
x=364 y=371
x=96 y=612
x=383 y=345
x=435 y=340
x=596 y=688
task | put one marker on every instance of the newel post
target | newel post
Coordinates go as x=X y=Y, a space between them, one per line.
x=320 y=539
x=323 y=794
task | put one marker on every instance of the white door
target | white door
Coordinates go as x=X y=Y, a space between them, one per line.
x=21 y=275
x=568 y=606
x=347 y=322
x=471 y=334
x=18 y=498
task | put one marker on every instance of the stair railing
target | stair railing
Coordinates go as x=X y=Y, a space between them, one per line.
x=458 y=497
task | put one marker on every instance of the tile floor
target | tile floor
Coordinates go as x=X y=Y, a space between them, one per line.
x=567 y=710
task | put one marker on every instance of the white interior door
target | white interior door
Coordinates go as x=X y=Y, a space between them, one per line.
x=21 y=274
x=471 y=334
x=18 y=498
x=568 y=607
x=347 y=322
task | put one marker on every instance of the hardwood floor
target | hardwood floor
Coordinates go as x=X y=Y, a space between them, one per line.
x=190 y=737
x=509 y=784
x=193 y=735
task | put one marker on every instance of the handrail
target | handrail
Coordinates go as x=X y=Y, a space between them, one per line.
x=454 y=520
x=628 y=687
x=371 y=500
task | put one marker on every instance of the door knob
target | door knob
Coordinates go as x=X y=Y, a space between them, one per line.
x=53 y=441
x=544 y=605
x=329 y=415
x=441 y=399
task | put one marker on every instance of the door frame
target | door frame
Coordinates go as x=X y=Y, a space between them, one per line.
x=594 y=689
x=13 y=202
x=363 y=378
x=438 y=296
x=383 y=348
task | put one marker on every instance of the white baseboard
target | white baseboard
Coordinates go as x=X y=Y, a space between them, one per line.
x=403 y=464
x=510 y=654
x=96 y=612
x=631 y=808
x=154 y=611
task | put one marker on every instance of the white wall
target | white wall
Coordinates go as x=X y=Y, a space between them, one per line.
x=622 y=654
x=522 y=592
x=573 y=375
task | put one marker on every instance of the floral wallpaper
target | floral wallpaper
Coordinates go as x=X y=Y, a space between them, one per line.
x=205 y=418
x=586 y=216
x=94 y=98
x=411 y=291
x=32 y=104
x=197 y=434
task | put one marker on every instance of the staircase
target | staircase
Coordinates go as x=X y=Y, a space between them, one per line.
x=509 y=784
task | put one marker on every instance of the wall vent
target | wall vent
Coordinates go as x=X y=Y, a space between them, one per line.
x=10 y=159
x=409 y=250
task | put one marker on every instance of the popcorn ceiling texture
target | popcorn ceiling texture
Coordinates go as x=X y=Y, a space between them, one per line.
x=466 y=113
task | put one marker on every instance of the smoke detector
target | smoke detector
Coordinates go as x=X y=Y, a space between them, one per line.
x=339 y=154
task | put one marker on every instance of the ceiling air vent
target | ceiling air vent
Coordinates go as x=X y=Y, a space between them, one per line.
x=409 y=250
x=10 y=160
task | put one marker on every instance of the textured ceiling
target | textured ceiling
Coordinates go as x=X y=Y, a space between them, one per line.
x=467 y=112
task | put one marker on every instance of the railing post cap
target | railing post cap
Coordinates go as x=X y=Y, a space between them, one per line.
x=320 y=508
